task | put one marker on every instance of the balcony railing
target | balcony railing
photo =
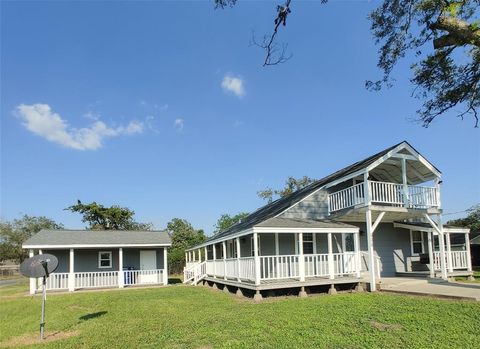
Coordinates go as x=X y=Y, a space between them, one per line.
x=384 y=193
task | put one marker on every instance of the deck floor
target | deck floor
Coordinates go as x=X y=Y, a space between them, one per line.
x=286 y=283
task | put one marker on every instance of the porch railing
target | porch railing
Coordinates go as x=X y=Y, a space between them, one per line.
x=459 y=260
x=384 y=193
x=143 y=277
x=279 y=267
x=96 y=279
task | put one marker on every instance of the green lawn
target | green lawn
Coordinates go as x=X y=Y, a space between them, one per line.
x=198 y=317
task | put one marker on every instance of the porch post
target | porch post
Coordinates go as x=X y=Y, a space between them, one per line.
x=120 y=267
x=214 y=261
x=331 y=271
x=165 y=265
x=224 y=249
x=441 y=242
x=314 y=236
x=371 y=256
x=404 y=180
x=343 y=242
x=205 y=251
x=32 y=280
x=71 y=275
x=256 y=258
x=237 y=242
x=449 y=253
x=186 y=258
x=430 y=254
x=199 y=255
x=366 y=188
x=301 y=258
x=296 y=243
x=356 y=242
x=277 y=246
x=467 y=248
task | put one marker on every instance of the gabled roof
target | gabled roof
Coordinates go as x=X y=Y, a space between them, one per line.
x=278 y=206
x=96 y=238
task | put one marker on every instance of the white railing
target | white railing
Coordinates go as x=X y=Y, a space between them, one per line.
x=346 y=198
x=142 y=277
x=459 y=260
x=384 y=193
x=56 y=281
x=279 y=267
x=209 y=268
x=189 y=264
x=247 y=268
x=96 y=279
x=219 y=268
x=316 y=265
x=232 y=268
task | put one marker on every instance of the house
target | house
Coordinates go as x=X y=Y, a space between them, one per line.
x=380 y=217
x=102 y=258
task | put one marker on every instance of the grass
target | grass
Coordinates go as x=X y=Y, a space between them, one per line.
x=197 y=317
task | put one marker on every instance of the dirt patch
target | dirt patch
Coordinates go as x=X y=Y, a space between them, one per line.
x=35 y=339
x=385 y=327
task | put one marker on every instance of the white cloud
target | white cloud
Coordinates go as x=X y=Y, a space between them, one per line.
x=233 y=84
x=41 y=120
x=178 y=124
x=91 y=115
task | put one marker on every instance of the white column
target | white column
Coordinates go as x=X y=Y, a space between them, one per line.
x=32 y=280
x=331 y=270
x=120 y=268
x=449 y=253
x=356 y=243
x=224 y=249
x=430 y=254
x=404 y=181
x=165 y=265
x=366 y=188
x=186 y=258
x=371 y=256
x=237 y=242
x=256 y=258
x=469 y=255
x=301 y=257
x=214 y=261
x=71 y=275
x=277 y=246
x=343 y=243
x=199 y=255
x=314 y=236
x=296 y=243
x=441 y=242
x=39 y=280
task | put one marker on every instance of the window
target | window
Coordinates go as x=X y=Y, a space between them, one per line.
x=307 y=243
x=104 y=259
x=417 y=242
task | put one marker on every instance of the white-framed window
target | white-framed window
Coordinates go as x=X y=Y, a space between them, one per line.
x=417 y=243
x=104 y=259
x=307 y=243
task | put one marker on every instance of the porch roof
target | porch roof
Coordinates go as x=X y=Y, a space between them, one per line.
x=47 y=238
x=423 y=226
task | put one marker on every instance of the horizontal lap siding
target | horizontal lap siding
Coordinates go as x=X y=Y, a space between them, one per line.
x=312 y=207
x=63 y=258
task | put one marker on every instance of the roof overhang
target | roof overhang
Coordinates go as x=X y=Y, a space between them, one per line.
x=86 y=246
x=450 y=230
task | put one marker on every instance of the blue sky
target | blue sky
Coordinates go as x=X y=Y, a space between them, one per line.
x=164 y=107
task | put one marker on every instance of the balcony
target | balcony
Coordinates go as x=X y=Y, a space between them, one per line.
x=384 y=194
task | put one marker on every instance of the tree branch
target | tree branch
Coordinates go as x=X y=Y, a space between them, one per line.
x=460 y=33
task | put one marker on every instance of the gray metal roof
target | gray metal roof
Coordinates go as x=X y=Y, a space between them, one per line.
x=278 y=206
x=85 y=238
x=303 y=223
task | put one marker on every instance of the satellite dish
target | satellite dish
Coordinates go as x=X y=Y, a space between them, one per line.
x=39 y=266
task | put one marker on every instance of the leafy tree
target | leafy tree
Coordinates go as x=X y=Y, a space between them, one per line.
x=14 y=234
x=472 y=220
x=226 y=221
x=183 y=236
x=444 y=36
x=108 y=218
x=292 y=184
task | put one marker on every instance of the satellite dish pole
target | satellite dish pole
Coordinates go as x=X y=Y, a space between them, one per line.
x=40 y=266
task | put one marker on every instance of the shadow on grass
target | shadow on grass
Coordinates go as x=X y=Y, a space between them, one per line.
x=173 y=281
x=92 y=315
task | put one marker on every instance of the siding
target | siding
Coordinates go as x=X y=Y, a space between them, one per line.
x=313 y=207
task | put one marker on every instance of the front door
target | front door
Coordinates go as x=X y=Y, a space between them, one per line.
x=148 y=266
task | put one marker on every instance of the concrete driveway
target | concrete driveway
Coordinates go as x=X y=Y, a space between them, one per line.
x=429 y=287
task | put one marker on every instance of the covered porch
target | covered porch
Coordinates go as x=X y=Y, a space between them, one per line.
x=280 y=253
